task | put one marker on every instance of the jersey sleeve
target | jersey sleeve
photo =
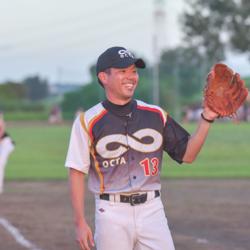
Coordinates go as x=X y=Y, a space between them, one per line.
x=78 y=156
x=175 y=139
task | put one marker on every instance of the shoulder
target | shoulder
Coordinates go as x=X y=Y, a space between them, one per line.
x=7 y=140
x=92 y=115
x=152 y=108
x=4 y=135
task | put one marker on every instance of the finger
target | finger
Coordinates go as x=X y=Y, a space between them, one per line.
x=238 y=79
x=86 y=244
x=210 y=76
x=241 y=97
x=219 y=69
x=81 y=245
x=223 y=72
x=236 y=92
x=234 y=85
x=91 y=239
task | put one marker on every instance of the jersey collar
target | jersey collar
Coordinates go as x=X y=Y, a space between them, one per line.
x=125 y=110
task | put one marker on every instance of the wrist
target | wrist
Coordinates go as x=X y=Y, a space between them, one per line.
x=206 y=118
x=79 y=221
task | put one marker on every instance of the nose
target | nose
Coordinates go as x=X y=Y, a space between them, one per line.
x=131 y=75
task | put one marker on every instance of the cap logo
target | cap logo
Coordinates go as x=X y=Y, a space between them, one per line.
x=125 y=53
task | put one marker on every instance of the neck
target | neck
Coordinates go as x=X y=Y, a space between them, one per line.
x=120 y=110
x=119 y=101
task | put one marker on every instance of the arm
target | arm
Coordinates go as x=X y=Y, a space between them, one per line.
x=197 y=140
x=77 y=188
x=2 y=127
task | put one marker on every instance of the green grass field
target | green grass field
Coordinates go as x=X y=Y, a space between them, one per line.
x=40 y=152
x=41 y=149
x=226 y=154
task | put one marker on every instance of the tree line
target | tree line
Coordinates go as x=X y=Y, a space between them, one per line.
x=23 y=95
x=210 y=28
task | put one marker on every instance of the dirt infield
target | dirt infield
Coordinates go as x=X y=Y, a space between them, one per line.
x=202 y=214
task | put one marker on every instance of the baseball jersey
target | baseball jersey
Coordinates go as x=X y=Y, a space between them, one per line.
x=121 y=147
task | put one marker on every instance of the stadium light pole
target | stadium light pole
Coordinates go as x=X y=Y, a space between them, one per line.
x=159 y=42
x=156 y=84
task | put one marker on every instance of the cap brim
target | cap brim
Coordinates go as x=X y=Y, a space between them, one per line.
x=139 y=63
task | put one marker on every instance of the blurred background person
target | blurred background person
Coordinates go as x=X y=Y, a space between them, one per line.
x=55 y=116
x=6 y=147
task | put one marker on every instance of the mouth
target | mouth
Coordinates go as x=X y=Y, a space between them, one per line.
x=129 y=85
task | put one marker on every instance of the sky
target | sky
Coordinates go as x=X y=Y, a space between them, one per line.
x=59 y=39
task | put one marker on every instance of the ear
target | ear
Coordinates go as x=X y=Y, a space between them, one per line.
x=103 y=77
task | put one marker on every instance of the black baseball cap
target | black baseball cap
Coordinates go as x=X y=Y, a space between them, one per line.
x=117 y=57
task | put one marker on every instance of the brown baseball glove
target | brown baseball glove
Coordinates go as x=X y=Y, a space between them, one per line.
x=225 y=91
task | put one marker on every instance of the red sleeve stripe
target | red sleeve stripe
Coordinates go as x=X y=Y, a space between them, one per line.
x=153 y=110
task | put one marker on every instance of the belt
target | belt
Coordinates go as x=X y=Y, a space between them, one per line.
x=133 y=199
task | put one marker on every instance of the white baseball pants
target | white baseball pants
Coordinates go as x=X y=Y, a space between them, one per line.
x=6 y=147
x=120 y=226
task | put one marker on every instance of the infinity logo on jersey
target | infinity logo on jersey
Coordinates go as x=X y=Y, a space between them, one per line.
x=126 y=141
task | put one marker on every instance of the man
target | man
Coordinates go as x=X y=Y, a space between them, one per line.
x=6 y=147
x=119 y=143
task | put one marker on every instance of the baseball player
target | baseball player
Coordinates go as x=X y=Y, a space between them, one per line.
x=119 y=144
x=6 y=147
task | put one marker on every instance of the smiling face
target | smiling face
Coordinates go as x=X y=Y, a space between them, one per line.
x=120 y=84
